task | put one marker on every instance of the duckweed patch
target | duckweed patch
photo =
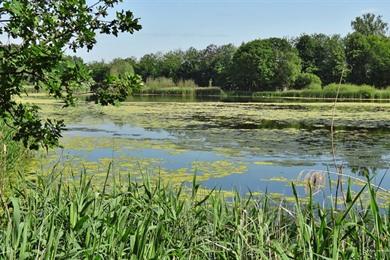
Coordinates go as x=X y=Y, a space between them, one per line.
x=234 y=141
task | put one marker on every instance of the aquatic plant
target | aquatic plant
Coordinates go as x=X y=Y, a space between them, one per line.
x=347 y=92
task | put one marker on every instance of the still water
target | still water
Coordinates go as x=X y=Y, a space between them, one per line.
x=246 y=147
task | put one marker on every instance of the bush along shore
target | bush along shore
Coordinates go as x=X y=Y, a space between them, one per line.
x=49 y=219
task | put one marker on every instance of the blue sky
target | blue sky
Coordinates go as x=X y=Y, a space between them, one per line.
x=180 y=24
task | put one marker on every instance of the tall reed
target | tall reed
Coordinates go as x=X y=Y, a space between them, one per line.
x=52 y=219
x=347 y=91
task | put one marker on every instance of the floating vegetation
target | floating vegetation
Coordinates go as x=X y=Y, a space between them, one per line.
x=264 y=163
x=282 y=179
x=218 y=168
x=174 y=140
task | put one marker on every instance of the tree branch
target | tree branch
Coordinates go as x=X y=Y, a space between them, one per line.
x=95 y=4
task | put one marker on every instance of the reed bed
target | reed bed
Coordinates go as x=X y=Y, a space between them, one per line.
x=181 y=91
x=166 y=87
x=347 y=91
x=50 y=219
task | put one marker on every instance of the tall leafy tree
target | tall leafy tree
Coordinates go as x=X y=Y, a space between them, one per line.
x=265 y=65
x=369 y=59
x=43 y=30
x=170 y=64
x=222 y=65
x=191 y=66
x=358 y=58
x=215 y=64
x=370 y=24
x=322 y=55
x=380 y=61
x=149 y=66
x=99 y=70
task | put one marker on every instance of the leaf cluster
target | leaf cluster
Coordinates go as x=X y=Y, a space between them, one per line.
x=38 y=34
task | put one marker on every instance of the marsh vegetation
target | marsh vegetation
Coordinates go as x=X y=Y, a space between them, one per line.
x=137 y=175
x=201 y=179
x=248 y=147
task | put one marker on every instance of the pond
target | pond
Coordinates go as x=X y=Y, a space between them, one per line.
x=246 y=147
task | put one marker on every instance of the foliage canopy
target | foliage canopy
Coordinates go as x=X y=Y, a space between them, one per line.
x=265 y=64
x=37 y=33
x=370 y=24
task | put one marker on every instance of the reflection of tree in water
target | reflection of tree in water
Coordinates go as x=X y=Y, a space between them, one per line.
x=360 y=142
x=365 y=152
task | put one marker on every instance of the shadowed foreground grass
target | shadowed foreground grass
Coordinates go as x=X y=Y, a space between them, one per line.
x=49 y=219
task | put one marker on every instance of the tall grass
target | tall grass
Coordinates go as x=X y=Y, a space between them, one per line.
x=50 y=219
x=166 y=86
x=168 y=83
x=347 y=91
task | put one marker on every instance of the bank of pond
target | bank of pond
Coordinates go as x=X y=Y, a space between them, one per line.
x=216 y=180
x=345 y=92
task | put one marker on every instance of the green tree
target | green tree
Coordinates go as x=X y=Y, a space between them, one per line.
x=170 y=64
x=358 y=58
x=322 y=55
x=222 y=65
x=191 y=66
x=99 y=70
x=44 y=29
x=211 y=65
x=214 y=65
x=116 y=88
x=265 y=65
x=370 y=24
x=121 y=67
x=380 y=61
x=369 y=59
x=149 y=66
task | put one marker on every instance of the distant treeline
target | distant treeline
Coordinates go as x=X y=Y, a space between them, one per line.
x=308 y=61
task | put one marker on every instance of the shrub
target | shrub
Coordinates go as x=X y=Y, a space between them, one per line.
x=306 y=80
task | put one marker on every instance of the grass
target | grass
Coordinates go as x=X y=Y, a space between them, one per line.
x=183 y=91
x=167 y=87
x=51 y=219
x=347 y=91
x=168 y=83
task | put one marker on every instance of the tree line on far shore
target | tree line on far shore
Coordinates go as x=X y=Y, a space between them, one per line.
x=362 y=57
